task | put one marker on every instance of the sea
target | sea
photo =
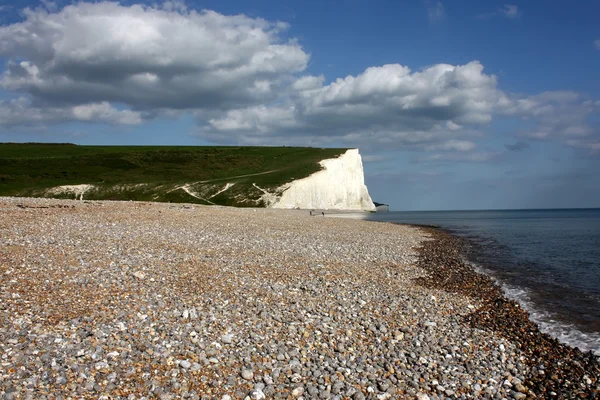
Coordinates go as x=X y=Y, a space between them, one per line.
x=547 y=260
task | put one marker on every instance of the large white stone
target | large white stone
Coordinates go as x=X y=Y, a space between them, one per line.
x=340 y=185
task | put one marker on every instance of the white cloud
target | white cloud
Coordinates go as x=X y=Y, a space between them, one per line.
x=435 y=11
x=246 y=84
x=510 y=11
x=556 y=114
x=597 y=44
x=104 y=112
x=308 y=83
x=21 y=112
x=388 y=105
x=441 y=108
x=147 y=57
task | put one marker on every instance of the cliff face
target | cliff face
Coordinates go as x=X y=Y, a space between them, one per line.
x=279 y=177
x=340 y=185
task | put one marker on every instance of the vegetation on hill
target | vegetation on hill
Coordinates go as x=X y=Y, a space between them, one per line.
x=236 y=176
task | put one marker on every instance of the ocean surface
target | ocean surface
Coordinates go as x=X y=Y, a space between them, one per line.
x=548 y=260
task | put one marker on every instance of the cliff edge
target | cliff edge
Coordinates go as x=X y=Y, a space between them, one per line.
x=279 y=177
x=340 y=185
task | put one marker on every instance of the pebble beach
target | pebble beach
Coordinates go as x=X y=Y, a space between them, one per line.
x=131 y=300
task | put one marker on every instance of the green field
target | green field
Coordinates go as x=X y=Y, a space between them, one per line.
x=155 y=173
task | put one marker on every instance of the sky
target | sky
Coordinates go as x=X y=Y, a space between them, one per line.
x=453 y=104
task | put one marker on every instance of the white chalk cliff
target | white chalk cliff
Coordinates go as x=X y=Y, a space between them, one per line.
x=340 y=185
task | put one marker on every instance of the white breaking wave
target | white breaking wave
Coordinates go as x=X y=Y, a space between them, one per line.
x=547 y=323
x=566 y=333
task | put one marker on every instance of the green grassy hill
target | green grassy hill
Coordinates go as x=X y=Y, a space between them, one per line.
x=234 y=176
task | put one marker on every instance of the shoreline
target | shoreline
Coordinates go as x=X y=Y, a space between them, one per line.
x=558 y=326
x=565 y=328
x=164 y=300
x=555 y=369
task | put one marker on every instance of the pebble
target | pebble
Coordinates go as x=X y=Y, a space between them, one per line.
x=139 y=275
x=257 y=395
x=247 y=374
x=105 y=298
x=227 y=339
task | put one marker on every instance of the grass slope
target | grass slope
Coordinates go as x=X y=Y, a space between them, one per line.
x=156 y=173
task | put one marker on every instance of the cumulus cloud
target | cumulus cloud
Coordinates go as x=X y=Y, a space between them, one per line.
x=246 y=83
x=147 y=57
x=389 y=105
x=597 y=44
x=555 y=114
x=21 y=112
x=442 y=108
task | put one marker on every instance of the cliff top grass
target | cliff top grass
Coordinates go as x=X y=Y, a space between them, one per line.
x=28 y=168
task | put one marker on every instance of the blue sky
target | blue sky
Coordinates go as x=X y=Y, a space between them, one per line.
x=454 y=105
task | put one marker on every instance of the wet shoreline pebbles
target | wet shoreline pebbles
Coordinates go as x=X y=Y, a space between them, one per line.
x=126 y=300
x=554 y=370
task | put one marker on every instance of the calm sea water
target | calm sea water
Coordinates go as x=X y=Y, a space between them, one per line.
x=548 y=260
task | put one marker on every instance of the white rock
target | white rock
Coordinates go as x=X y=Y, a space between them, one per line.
x=139 y=274
x=247 y=374
x=227 y=339
x=340 y=185
x=257 y=394
x=101 y=365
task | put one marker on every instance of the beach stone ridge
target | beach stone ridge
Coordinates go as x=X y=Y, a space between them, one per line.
x=134 y=300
